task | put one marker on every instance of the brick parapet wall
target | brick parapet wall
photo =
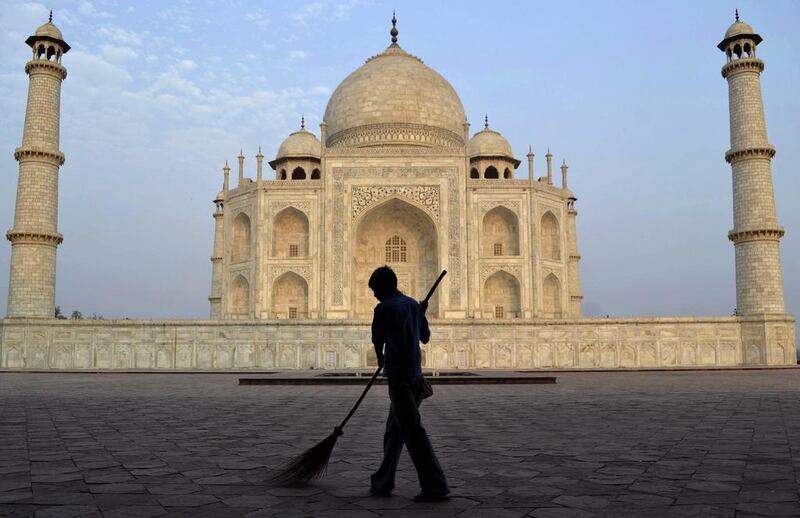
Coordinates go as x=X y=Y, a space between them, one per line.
x=664 y=342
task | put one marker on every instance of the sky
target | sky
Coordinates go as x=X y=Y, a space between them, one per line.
x=159 y=94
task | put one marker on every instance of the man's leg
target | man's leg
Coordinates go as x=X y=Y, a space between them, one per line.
x=405 y=400
x=382 y=481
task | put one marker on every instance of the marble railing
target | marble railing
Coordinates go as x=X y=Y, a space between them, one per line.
x=607 y=343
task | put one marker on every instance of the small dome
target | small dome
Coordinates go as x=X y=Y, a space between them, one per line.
x=300 y=144
x=49 y=30
x=738 y=29
x=489 y=143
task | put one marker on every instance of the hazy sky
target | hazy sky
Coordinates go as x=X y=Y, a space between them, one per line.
x=160 y=94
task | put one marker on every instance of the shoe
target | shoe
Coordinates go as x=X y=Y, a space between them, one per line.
x=382 y=494
x=431 y=497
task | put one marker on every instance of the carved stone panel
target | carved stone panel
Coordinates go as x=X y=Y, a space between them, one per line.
x=425 y=197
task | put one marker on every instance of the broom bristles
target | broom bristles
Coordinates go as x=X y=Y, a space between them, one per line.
x=310 y=464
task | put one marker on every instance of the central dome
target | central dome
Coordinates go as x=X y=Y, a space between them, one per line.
x=394 y=99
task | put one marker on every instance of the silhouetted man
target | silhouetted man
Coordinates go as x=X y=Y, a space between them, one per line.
x=398 y=327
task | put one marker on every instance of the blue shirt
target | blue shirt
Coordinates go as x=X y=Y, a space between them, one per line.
x=400 y=325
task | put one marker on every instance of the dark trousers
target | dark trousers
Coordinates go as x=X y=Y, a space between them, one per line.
x=404 y=426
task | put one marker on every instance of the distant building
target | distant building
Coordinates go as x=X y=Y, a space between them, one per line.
x=396 y=179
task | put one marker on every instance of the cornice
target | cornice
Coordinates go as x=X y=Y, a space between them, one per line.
x=34 y=238
x=759 y=234
x=37 y=154
x=47 y=67
x=734 y=155
x=739 y=65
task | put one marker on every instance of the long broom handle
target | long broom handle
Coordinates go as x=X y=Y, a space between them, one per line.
x=378 y=370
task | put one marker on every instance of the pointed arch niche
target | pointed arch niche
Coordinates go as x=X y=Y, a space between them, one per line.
x=290 y=296
x=404 y=237
x=551 y=297
x=290 y=234
x=501 y=296
x=240 y=297
x=549 y=237
x=240 y=239
x=500 y=232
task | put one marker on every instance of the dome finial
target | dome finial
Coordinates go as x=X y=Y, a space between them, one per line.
x=737 y=14
x=486 y=121
x=394 y=32
x=50 y=20
x=302 y=121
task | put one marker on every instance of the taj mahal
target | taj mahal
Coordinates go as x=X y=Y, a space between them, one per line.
x=396 y=175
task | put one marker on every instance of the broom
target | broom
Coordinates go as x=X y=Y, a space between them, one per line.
x=314 y=461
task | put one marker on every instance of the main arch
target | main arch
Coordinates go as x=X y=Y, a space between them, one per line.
x=403 y=236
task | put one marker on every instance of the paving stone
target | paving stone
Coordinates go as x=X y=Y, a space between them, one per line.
x=193 y=500
x=68 y=511
x=64 y=499
x=116 y=488
x=561 y=512
x=136 y=511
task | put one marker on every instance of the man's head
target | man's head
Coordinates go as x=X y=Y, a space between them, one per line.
x=383 y=282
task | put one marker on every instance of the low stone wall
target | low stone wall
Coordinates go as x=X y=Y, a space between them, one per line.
x=336 y=344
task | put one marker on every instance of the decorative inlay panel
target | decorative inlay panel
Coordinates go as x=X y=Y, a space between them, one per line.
x=490 y=269
x=488 y=205
x=303 y=271
x=395 y=133
x=276 y=206
x=425 y=197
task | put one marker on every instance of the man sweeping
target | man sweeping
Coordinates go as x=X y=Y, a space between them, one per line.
x=398 y=326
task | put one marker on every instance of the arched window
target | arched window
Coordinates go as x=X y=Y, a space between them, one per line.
x=290 y=233
x=501 y=296
x=298 y=174
x=315 y=174
x=491 y=172
x=551 y=297
x=473 y=173
x=51 y=51
x=549 y=237
x=240 y=241
x=290 y=296
x=396 y=250
x=240 y=296
x=500 y=233
x=507 y=173
x=737 y=50
x=40 y=52
x=747 y=50
x=282 y=174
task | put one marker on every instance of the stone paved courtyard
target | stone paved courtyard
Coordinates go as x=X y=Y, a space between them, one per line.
x=596 y=444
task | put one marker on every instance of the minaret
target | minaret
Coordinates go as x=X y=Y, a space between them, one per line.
x=241 y=168
x=530 y=157
x=549 y=157
x=756 y=233
x=564 y=168
x=215 y=299
x=573 y=257
x=34 y=238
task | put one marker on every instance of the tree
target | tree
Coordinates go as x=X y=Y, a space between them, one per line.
x=77 y=315
x=58 y=314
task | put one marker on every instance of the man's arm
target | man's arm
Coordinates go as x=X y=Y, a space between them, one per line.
x=424 y=329
x=378 y=335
